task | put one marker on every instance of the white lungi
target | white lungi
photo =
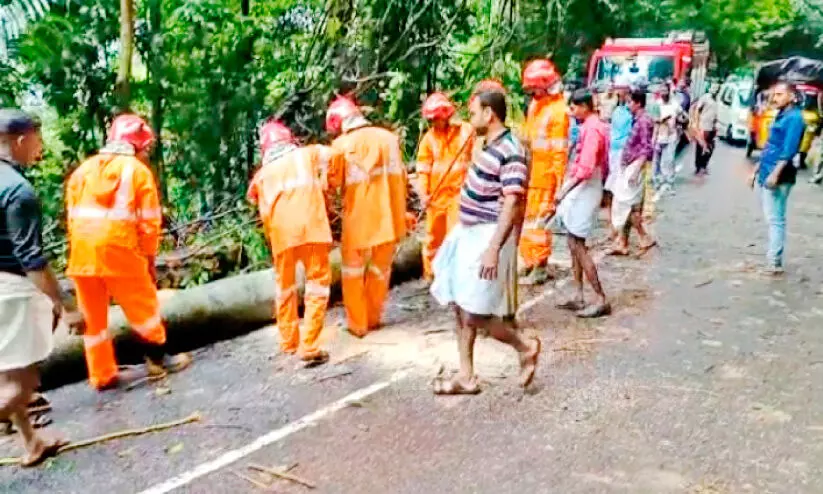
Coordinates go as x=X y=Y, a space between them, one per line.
x=457 y=273
x=615 y=158
x=626 y=195
x=577 y=212
x=25 y=323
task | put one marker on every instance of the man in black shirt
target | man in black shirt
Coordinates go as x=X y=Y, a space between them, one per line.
x=30 y=304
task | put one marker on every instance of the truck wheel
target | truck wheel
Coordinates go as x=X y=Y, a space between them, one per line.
x=729 y=137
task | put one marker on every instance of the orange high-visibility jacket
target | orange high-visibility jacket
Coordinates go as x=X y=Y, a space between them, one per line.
x=114 y=217
x=547 y=129
x=437 y=151
x=289 y=193
x=373 y=180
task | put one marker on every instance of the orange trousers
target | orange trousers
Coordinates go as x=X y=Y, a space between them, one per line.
x=536 y=243
x=366 y=274
x=315 y=259
x=439 y=222
x=137 y=296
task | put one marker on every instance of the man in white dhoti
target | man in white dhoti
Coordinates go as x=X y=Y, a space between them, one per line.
x=475 y=269
x=30 y=305
x=629 y=183
x=579 y=202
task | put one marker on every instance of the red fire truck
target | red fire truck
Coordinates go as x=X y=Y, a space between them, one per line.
x=630 y=61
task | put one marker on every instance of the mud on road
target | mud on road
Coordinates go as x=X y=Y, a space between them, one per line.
x=706 y=379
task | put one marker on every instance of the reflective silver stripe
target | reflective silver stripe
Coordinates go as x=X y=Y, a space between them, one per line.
x=119 y=209
x=317 y=290
x=422 y=167
x=304 y=178
x=546 y=144
x=100 y=213
x=150 y=214
x=148 y=324
x=352 y=272
x=288 y=292
x=377 y=272
x=94 y=340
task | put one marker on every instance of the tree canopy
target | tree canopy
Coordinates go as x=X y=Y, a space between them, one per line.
x=207 y=72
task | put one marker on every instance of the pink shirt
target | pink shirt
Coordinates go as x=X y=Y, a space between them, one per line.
x=592 y=149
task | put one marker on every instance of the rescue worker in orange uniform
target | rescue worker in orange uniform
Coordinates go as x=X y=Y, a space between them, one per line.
x=289 y=193
x=442 y=161
x=114 y=221
x=547 y=132
x=373 y=180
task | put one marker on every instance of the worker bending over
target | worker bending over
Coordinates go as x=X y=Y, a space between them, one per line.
x=289 y=193
x=442 y=160
x=114 y=222
x=373 y=182
x=546 y=129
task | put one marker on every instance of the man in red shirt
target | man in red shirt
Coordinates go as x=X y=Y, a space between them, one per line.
x=579 y=201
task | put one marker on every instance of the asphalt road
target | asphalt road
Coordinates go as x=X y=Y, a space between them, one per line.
x=708 y=378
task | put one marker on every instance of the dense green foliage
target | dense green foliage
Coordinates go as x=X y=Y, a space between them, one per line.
x=206 y=72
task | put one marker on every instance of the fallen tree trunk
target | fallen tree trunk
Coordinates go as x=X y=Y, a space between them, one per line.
x=205 y=314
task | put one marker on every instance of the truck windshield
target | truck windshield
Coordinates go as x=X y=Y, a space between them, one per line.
x=807 y=100
x=633 y=69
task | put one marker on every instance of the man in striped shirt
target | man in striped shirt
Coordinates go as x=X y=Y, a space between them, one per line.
x=475 y=270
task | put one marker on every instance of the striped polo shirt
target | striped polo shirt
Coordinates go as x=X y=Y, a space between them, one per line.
x=498 y=170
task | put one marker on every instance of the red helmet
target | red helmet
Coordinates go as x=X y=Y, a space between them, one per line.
x=341 y=109
x=540 y=74
x=274 y=133
x=132 y=129
x=437 y=107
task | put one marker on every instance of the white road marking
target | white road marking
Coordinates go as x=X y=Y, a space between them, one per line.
x=272 y=437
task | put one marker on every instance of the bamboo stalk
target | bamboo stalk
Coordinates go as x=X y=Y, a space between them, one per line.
x=195 y=417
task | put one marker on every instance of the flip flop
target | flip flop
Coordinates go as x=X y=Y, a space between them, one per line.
x=614 y=251
x=525 y=381
x=645 y=248
x=317 y=358
x=571 y=305
x=453 y=387
x=595 y=311
x=38 y=421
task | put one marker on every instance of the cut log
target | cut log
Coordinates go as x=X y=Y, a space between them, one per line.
x=202 y=315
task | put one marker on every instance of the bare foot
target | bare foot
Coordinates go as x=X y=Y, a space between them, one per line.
x=44 y=446
x=528 y=363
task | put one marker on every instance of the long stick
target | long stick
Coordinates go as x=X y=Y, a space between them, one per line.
x=283 y=475
x=195 y=417
x=443 y=177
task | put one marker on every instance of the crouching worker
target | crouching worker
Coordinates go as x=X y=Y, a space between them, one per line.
x=475 y=270
x=30 y=305
x=114 y=232
x=289 y=193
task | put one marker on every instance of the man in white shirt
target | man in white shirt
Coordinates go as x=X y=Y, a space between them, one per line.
x=666 y=141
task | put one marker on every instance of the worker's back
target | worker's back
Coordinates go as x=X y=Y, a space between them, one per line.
x=114 y=216
x=374 y=183
x=289 y=194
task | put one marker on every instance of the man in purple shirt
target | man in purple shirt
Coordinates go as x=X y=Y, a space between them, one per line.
x=627 y=204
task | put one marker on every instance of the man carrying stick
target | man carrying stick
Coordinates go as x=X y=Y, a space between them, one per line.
x=579 y=201
x=475 y=270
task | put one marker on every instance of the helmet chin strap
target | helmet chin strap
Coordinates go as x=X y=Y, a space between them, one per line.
x=555 y=88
